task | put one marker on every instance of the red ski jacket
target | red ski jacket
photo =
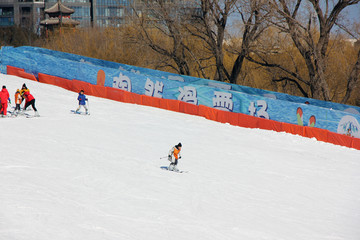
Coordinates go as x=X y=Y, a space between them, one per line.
x=4 y=95
x=28 y=96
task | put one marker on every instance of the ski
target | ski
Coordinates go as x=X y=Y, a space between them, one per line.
x=14 y=114
x=80 y=113
x=177 y=171
x=31 y=116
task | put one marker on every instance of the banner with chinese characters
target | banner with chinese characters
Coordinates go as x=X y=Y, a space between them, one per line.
x=335 y=117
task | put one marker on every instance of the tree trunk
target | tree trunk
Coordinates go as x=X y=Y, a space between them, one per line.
x=353 y=79
x=237 y=66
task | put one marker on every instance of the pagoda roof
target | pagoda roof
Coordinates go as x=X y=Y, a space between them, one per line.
x=59 y=7
x=55 y=21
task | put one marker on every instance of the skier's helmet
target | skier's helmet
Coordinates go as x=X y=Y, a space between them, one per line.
x=179 y=145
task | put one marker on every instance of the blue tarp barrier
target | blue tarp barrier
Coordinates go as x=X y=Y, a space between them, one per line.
x=281 y=107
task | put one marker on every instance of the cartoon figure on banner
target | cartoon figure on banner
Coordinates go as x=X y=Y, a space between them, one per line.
x=349 y=125
x=261 y=112
x=300 y=118
x=100 y=79
x=223 y=101
x=188 y=94
x=349 y=132
x=154 y=89
x=122 y=82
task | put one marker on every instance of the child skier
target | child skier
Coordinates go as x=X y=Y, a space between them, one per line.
x=18 y=100
x=174 y=156
x=4 y=98
x=82 y=101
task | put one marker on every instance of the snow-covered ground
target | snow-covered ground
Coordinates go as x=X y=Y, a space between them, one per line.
x=66 y=176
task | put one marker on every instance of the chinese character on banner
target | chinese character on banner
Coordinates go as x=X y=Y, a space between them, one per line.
x=223 y=101
x=261 y=112
x=154 y=89
x=188 y=94
x=122 y=82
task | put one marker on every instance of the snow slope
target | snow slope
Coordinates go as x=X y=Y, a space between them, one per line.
x=66 y=176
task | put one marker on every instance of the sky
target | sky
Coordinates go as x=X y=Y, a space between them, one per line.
x=100 y=176
x=351 y=13
x=354 y=12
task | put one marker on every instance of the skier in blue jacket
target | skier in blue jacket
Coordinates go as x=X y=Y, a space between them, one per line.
x=82 y=101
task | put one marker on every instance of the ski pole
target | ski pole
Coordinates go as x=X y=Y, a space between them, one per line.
x=163 y=157
x=88 y=105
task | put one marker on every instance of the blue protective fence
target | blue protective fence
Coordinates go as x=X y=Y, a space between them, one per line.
x=281 y=107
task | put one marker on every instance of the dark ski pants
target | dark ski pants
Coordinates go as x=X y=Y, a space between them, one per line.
x=32 y=103
x=174 y=163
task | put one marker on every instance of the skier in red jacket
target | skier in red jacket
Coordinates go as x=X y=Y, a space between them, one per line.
x=30 y=100
x=4 y=98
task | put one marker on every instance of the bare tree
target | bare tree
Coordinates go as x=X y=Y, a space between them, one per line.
x=253 y=15
x=159 y=25
x=211 y=27
x=353 y=76
x=310 y=32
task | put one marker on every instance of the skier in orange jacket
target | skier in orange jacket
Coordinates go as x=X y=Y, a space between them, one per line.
x=18 y=100
x=174 y=156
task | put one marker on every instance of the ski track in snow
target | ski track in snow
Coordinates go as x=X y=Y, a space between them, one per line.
x=68 y=176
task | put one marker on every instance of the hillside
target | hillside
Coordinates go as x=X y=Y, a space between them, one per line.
x=66 y=176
